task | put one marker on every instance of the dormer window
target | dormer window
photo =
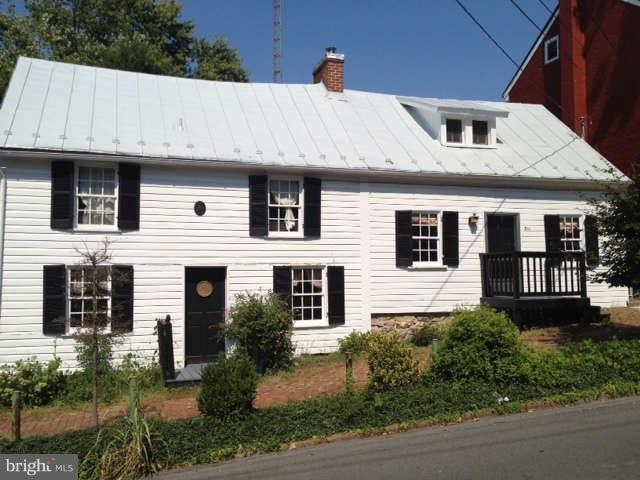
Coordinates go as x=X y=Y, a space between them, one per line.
x=552 y=50
x=468 y=131
x=454 y=130
x=480 y=132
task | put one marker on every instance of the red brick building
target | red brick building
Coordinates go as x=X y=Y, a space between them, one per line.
x=585 y=68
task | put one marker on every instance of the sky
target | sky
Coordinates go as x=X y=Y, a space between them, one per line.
x=426 y=48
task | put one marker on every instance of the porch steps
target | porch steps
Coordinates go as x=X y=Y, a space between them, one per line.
x=189 y=375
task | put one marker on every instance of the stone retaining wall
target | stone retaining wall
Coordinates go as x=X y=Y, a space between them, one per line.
x=407 y=324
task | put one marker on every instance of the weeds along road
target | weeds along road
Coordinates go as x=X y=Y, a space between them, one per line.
x=599 y=440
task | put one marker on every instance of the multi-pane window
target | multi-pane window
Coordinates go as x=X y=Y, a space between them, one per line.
x=480 y=132
x=570 y=233
x=424 y=236
x=454 y=130
x=85 y=285
x=284 y=206
x=96 y=195
x=306 y=293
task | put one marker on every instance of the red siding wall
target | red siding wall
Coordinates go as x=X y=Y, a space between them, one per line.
x=540 y=83
x=612 y=81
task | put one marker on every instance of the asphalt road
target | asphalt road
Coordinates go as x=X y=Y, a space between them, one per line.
x=600 y=440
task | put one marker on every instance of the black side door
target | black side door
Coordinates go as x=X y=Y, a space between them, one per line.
x=501 y=233
x=204 y=313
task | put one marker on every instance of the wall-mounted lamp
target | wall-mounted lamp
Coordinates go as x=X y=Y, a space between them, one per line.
x=473 y=219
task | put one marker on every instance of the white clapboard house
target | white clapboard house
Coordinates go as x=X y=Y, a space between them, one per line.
x=350 y=204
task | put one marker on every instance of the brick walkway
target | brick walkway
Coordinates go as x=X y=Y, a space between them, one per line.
x=307 y=382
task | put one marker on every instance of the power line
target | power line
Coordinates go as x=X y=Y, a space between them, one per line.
x=505 y=53
x=548 y=155
x=525 y=15
x=545 y=6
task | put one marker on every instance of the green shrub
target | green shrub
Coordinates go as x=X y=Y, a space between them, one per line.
x=354 y=343
x=482 y=345
x=228 y=386
x=261 y=325
x=426 y=335
x=38 y=382
x=114 y=383
x=391 y=362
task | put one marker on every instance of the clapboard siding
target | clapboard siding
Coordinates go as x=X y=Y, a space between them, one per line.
x=171 y=237
x=397 y=290
x=358 y=232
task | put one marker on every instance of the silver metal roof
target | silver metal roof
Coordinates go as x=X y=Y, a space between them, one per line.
x=72 y=108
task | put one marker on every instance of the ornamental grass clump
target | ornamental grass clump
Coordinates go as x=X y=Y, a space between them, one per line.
x=482 y=345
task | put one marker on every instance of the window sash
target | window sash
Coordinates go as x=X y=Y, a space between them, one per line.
x=551 y=49
x=96 y=186
x=571 y=233
x=80 y=297
x=308 y=292
x=285 y=206
x=480 y=132
x=454 y=130
x=426 y=237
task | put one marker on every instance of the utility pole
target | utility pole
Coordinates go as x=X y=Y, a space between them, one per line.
x=277 y=41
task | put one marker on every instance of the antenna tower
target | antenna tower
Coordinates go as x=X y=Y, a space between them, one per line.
x=277 y=41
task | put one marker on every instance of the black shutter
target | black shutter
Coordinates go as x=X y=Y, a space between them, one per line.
x=591 y=240
x=312 y=200
x=62 y=186
x=282 y=283
x=450 y=240
x=404 y=255
x=258 y=205
x=552 y=233
x=335 y=282
x=54 y=303
x=122 y=298
x=129 y=196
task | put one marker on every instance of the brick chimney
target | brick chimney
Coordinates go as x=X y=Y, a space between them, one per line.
x=330 y=70
x=573 y=83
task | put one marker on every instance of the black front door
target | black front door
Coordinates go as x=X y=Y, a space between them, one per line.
x=501 y=233
x=204 y=313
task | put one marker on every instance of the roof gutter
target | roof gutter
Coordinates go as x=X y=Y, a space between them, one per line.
x=353 y=174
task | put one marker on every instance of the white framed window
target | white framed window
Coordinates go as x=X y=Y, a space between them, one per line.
x=552 y=49
x=96 y=193
x=80 y=307
x=468 y=131
x=571 y=233
x=426 y=240
x=480 y=130
x=285 y=207
x=455 y=132
x=308 y=295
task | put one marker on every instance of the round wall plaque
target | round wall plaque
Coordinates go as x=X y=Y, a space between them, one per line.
x=204 y=288
x=199 y=208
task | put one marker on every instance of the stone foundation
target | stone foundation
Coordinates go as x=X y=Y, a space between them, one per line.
x=407 y=324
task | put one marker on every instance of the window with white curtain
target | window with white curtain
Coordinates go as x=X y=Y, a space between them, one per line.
x=285 y=207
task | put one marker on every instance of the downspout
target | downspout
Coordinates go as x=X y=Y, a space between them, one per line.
x=3 y=208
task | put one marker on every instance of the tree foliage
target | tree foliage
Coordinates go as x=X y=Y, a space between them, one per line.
x=618 y=212
x=147 y=36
